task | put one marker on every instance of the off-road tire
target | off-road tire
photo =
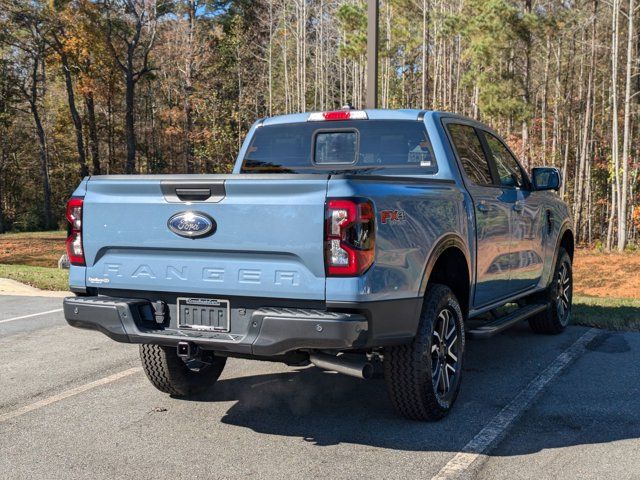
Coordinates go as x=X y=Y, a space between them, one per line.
x=170 y=374
x=551 y=321
x=409 y=369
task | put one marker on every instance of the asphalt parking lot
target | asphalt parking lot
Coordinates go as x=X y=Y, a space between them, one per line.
x=74 y=404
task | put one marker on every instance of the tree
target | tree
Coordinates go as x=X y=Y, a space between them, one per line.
x=492 y=29
x=8 y=95
x=60 y=40
x=131 y=28
x=170 y=86
x=26 y=32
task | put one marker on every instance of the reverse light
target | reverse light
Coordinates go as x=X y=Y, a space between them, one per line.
x=75 y=251
x=338 y=115
x=349 y=237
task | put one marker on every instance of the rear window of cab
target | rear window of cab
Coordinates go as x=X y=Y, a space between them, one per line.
x=401 y=147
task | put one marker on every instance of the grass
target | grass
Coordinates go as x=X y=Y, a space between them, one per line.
x=608 y=313
x=60 y=234
x=44 y=278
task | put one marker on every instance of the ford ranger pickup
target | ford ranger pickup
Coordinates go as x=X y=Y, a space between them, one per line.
x=353 y=240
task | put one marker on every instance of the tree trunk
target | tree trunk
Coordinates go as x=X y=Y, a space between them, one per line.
x=565 y=161
x=612 y=216
x=94 y=145
x=303 y=58
x=42 y=142
x=615 y=140
x=270 y=57
x=130 y=132
x=545 y=97
x=287 y=95
x=586 y=131
x=622 y=220
x=189 y=149
x=3 y=161
x=526 y=96
x=556 y=118
x=110 y=132
x=75 y=116
x=425 y=53
x=44 y=169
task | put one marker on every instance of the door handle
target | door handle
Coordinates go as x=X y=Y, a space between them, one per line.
x=482 y=207
x=518 y=207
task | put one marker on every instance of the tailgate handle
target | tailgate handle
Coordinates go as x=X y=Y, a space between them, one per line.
x=178 y=191
x=193 y=194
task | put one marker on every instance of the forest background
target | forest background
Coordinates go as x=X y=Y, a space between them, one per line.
x=156 y=86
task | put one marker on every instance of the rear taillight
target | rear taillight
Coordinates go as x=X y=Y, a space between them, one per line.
x=74 y=239
x=350 y=237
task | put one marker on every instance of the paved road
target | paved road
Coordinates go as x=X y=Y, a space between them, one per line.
x=67 y=411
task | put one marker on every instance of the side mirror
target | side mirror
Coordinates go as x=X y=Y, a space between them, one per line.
x=546 y=178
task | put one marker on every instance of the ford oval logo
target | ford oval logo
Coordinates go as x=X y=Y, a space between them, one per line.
x=192 y=224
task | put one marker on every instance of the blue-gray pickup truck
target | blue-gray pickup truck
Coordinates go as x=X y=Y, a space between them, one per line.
x=354 y=240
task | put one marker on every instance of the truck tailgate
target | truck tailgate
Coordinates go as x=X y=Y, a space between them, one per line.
x=268 y=240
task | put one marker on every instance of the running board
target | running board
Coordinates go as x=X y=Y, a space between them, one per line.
x=496 y=326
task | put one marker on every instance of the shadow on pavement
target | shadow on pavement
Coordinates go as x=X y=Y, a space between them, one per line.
x=328 y=409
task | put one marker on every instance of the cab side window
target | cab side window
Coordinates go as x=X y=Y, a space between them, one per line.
x=469 y=150
x=508 y=169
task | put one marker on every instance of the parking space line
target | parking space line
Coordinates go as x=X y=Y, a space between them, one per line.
x=67 y=393
x=496 y=429
x=30 y=316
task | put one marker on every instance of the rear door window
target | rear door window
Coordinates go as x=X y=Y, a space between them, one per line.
x=399 y=147
x=470 y=153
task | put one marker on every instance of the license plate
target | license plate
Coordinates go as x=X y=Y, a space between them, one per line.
x=210 y=314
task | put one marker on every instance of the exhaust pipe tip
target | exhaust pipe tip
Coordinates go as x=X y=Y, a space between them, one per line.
x=367 y=371
x=347 y=366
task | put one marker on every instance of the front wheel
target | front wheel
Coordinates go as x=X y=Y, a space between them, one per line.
x=423 y=377
x=171 y=374
x=558 y=297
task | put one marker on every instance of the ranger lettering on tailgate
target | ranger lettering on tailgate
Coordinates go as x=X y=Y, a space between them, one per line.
x=206 y=274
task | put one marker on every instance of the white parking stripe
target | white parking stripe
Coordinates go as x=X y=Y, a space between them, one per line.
x=67 y=393
x=29 y=316
x=500 y=424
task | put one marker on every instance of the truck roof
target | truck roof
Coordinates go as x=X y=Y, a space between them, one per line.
x=377 y=114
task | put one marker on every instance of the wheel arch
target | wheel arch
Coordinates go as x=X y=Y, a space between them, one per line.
x=450 y=265
x=565 y=240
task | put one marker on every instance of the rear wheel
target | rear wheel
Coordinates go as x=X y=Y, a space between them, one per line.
x=171 y=374
x=558 y=296
x=423 y=377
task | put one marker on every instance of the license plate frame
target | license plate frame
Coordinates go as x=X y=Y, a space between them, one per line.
x=188 y=307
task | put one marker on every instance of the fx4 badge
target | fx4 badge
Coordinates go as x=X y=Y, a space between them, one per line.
x=392 y=216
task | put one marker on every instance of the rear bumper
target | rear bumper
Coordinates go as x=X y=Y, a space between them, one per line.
x=256 y=330
x=264 y=332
